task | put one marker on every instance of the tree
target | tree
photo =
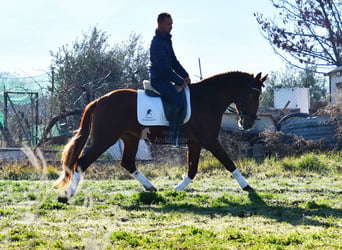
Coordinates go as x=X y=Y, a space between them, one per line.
x=307 y=32
x=292 y=78
x=90 y=68
x=87 y=67
x=133 y=60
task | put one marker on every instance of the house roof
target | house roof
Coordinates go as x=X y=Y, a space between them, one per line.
x=335 y=70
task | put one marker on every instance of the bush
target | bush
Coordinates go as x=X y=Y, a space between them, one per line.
x=280 y=145
x=334 y=110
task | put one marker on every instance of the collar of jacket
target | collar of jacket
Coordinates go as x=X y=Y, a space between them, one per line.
x=161 y=35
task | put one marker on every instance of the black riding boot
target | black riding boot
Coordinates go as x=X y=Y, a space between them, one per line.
x=181 y=116
x=180 y=129
x=172 y=136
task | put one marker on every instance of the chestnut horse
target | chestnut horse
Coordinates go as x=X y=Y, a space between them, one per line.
x=114 y=116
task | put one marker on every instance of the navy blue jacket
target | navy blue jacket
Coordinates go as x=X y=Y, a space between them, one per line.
x=164 y=65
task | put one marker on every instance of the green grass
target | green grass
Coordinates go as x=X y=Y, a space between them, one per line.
x=298 y=205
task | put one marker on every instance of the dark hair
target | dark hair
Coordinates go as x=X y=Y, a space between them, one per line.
x=163 y=16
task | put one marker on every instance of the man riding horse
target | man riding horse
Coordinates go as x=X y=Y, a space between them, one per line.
x=114 y=116
x=166 y=71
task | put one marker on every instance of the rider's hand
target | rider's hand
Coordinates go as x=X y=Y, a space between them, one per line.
x=186 y=82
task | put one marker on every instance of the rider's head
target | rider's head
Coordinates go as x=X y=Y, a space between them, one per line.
x=164 y=23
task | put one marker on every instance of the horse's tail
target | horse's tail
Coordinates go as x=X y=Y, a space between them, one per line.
x=74 y=147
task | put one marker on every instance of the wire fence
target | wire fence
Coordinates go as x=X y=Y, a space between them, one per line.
x=21 y=103
x=24 y=105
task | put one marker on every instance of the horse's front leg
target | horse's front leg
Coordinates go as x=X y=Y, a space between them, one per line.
x=194 y=151
x=217 y=150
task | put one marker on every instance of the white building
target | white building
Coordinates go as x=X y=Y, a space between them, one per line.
x=292 y=98
x=335 y=84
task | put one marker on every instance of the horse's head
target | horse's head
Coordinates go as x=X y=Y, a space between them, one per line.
x=247 y=103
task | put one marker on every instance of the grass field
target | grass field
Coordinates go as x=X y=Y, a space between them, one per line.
x=298 y=205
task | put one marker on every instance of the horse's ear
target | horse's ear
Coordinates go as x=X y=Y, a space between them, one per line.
x=258 y=76
x=264 y=79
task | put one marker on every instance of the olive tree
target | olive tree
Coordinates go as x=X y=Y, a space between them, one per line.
x=89 y=68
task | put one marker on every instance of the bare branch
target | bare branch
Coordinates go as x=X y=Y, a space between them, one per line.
x=54 y=120
x=306 y=32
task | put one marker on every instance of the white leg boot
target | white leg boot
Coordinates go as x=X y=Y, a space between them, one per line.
x=241 y=180
x=73 y=185
x=144 y=181
x=186 y=181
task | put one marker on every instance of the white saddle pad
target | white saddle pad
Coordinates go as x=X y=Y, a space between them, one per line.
x=151 y=111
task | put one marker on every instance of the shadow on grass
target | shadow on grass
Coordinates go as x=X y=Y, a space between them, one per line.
x=292 y=215
x=255 y=207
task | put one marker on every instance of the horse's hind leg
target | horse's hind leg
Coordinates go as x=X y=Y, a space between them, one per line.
x=91 y=153
x=99 y=141
x=128 y=161
x=194 y=150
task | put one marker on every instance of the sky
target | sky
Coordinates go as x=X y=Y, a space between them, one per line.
x=222 y=33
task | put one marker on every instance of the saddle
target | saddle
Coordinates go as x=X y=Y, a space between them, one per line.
x=150 y=91
x=154 y=111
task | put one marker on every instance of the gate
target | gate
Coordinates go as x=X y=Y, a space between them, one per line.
x=20 y=118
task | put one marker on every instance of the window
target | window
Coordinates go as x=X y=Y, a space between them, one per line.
x=339 y=85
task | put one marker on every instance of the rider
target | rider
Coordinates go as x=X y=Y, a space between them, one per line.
x=166 y=71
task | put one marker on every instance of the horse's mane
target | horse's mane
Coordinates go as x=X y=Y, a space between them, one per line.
x=211 y=86
x=223 y=77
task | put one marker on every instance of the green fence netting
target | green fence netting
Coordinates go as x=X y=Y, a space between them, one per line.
x=39 y=84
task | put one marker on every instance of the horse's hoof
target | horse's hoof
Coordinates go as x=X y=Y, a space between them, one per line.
x=63 y=199
x=249 y=189
x=151 y=189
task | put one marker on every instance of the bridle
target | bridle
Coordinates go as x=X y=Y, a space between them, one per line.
x=243 y=99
